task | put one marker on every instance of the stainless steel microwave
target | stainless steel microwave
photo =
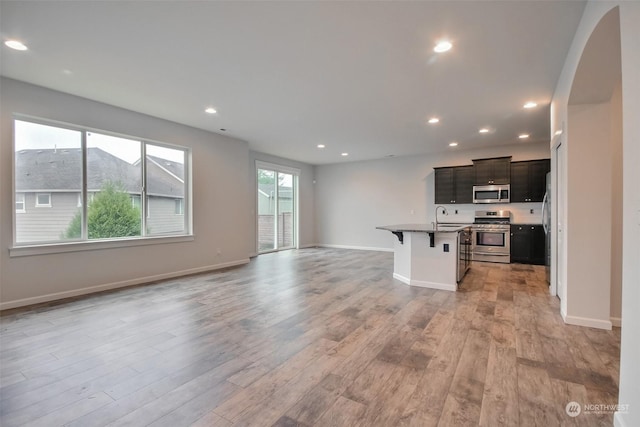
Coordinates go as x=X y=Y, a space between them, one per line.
x=491 y=193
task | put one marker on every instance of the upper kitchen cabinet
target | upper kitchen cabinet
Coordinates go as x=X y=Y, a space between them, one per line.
x=454 y=185
x=528 y=180
x=492 y=171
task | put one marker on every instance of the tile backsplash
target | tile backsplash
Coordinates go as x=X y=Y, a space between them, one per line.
x=520 y=212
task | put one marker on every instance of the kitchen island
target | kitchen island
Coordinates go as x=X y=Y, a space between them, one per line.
x=430 y=255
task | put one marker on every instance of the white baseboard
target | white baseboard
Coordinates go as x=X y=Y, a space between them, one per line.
x=108 y=286
x=618 y=421
x=423 y=284
x=358 y=248
x=434 y=285
x=307 y=246
x=401 y=278
x=616 y=321
x=585 y=321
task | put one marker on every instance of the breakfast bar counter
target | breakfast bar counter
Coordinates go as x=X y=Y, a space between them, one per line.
x=430 y=255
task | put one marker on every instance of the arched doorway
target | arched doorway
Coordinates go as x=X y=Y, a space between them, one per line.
x=592 y=213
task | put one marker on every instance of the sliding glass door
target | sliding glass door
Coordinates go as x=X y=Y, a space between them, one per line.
x=277 y=201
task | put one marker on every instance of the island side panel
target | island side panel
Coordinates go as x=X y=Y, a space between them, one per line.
x=402 y=259
x=432 y=267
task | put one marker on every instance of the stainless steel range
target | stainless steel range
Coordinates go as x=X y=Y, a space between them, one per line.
x=491 y=236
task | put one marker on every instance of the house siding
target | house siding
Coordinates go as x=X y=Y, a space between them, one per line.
x=163 y=218
x=38 y=224
x=46 y=224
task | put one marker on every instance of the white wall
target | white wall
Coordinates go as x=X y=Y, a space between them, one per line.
x=630 y=355
x=353 y=198
x=306 y=193
x=629 y=393
x=221 y=209
x=588 y=229
x=616 y=205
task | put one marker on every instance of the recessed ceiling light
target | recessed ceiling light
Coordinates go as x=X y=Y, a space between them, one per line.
x=434 y=120
x=442 y=46
x=484 y=130
x=345 y=154
x=320 y=145
x=15 y=44
x=523 y=136
x=453 y=144
x=210 y=110
x=530 y=104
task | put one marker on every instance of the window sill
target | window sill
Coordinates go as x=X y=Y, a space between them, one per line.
x=56 y=248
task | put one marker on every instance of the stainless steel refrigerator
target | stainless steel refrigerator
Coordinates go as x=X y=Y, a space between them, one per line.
x=546 y=224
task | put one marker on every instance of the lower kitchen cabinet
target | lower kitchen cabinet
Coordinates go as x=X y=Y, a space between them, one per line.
x=527 y=244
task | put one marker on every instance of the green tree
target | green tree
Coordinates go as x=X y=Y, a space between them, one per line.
x=268 y=177
x=110 y=214
x=265 y=177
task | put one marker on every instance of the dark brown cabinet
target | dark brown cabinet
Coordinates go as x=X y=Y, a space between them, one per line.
x=527 y=244
x=454 y=185
x=492 y=171
x=528 y=180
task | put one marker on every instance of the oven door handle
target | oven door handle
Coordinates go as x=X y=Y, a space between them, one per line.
x=491 y=253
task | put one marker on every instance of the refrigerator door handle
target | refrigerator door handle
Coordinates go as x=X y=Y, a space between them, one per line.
x=545 y=206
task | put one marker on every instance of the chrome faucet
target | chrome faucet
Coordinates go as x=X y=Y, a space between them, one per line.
x=443 y=210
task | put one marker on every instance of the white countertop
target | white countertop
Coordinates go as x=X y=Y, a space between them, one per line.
x=424 y=228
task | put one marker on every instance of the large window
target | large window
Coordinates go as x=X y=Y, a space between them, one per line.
x=95 y=186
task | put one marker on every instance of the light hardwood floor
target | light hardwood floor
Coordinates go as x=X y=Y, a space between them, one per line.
x=302 y=338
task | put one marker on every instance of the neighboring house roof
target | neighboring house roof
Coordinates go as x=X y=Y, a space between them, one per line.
x=60 y=169
x=268 y=190
x=175 y=168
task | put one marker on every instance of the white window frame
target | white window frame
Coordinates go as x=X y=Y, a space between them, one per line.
x=43 y=205
x=20 y=198
x=179 y=206
x=63 y=246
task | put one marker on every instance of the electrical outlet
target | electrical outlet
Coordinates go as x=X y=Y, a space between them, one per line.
x=219 y=251
x=446 y=247
x=531 y=211
x=456 y=211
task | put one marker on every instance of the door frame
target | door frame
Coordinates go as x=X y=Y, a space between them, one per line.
x=295 y=172
x=558 y=216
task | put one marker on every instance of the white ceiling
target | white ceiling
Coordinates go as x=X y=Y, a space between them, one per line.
x=359 y=77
